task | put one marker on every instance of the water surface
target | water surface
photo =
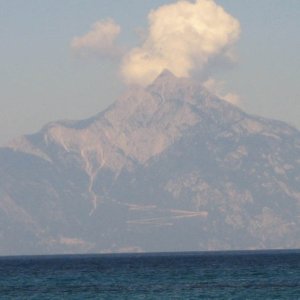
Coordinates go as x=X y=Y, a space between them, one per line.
x=215 y=275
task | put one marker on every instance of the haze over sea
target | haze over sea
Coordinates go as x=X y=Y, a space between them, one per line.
x=194 y=275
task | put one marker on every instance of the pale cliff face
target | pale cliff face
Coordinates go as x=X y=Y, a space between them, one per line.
x=140 y=125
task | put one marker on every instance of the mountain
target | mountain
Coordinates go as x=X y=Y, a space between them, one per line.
x=169 y=167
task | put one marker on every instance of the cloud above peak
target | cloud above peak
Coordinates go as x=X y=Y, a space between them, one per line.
x=182 y=37
x=99 y=40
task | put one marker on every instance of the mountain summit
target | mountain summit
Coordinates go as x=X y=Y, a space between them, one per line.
x=168 y=167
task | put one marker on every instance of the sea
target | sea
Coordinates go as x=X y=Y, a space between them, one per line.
x=191 y=275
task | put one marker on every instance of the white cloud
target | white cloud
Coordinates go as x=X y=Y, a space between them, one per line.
x=99 y=40
x=182 y=37
x=217 y=87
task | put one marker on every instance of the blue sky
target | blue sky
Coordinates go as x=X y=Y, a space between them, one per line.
x=43 y=80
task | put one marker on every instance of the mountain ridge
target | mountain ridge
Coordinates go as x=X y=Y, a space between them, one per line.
x=169 y=163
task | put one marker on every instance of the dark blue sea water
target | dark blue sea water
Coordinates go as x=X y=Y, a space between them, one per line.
x=227 y=275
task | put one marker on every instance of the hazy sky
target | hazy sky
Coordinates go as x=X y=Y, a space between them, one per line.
x=52 y=68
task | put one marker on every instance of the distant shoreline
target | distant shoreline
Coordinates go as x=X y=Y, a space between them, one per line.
x=157 y=254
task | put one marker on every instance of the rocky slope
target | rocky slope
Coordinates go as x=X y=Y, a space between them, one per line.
x=166 y=168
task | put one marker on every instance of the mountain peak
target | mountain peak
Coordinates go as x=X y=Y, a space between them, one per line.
x=166 y=74
x=169 y=86
x=164 y=77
